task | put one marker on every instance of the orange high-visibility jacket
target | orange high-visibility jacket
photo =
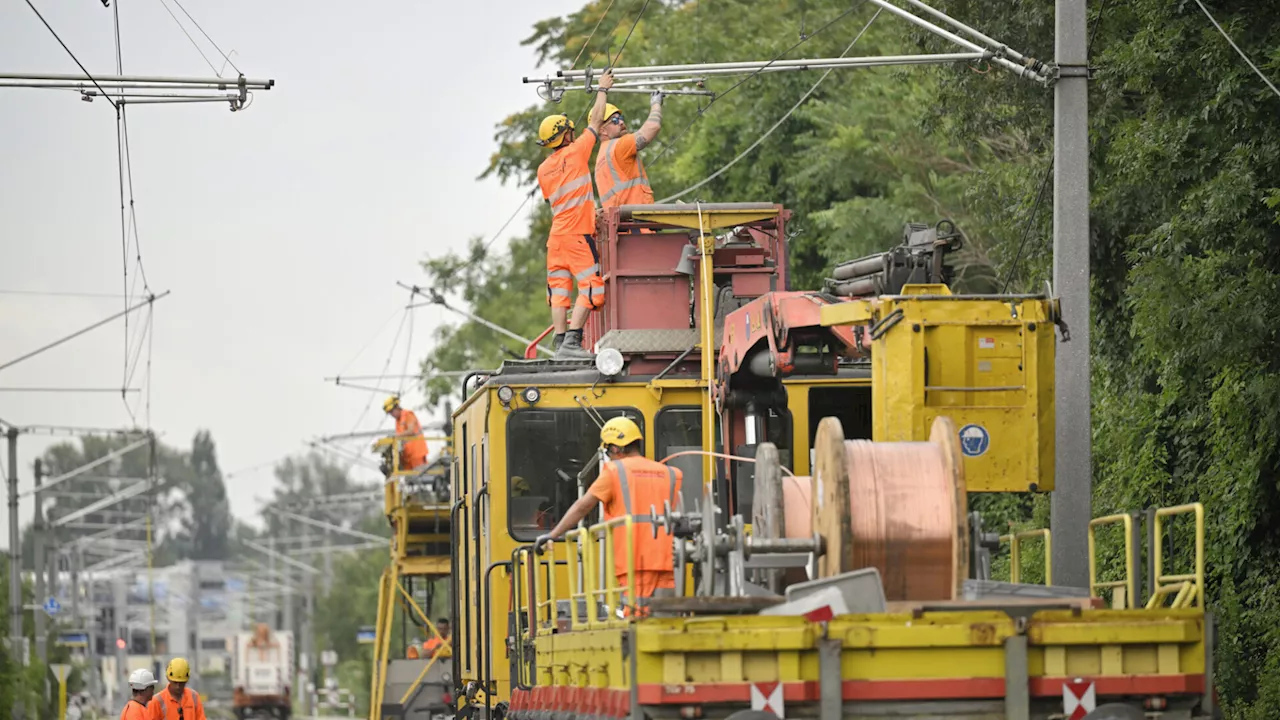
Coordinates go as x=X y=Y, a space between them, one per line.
x=620 y=176
x=638 y=486
x=164 y=707
x=414 y=450
x=565 y=179
x=134 y=710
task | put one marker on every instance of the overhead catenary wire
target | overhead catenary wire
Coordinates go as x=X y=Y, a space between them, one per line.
x=587 y=42
x=1236 y=47
x=183 y=28
x=195 y=22
x=775 y=126
x=64 y=47
x=627 y=39
x=670 y=145
x=1048 y=173
x=84 y=330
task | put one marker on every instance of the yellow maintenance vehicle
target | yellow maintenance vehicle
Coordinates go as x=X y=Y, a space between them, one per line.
x=827 y=565
x=412 y=678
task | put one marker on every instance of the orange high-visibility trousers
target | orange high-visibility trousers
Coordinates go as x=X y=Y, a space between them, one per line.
x=573 y=259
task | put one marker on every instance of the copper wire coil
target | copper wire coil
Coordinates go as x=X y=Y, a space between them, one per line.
x=898 y=507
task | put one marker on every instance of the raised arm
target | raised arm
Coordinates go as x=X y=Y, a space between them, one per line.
x=653 y=124
x=596 y=117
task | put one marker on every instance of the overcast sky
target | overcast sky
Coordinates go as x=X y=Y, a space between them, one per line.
x=281 y=231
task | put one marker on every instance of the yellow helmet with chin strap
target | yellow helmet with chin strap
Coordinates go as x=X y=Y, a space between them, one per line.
x=389 y=403
x=551 y=131
x=178 y=671
x=620 y=431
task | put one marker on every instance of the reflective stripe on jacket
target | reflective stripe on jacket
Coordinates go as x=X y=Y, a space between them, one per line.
x=164 y=707
x=565 y=180
x=639 y=487
x=620 y=176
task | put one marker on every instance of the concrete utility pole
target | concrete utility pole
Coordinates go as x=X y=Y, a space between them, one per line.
x=15 y=551
x=1073 y=466
x=40 y=566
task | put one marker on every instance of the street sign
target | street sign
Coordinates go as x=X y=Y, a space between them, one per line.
x=366 y=635
x=73 y=639
x=61 y=672
x=328 y=658
x=52 y=606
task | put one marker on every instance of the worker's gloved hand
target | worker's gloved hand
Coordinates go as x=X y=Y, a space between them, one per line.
x=541 y=542
x=656 y=98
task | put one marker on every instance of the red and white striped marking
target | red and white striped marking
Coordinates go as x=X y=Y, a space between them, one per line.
x=1079 y=698
x=768 y=697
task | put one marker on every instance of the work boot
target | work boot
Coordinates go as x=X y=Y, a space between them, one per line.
x=571 y=348
x=556 y=341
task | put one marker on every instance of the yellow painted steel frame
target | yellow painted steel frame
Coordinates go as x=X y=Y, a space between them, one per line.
x=592 y=579
x=408 y=559
x=1189 y=588
x=1015 y=553
x=692 y=661
x=1129 y=599
x=988 y=364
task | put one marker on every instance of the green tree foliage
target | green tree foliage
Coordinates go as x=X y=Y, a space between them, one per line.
x=1186 y=249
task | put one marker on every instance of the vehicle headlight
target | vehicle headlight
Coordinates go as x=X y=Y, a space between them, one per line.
x=505 y=394
x=532 y=395
x=609 y=362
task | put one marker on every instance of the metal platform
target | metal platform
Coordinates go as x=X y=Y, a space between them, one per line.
x=653 y=342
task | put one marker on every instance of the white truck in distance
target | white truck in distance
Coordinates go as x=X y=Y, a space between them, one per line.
x=262 y=669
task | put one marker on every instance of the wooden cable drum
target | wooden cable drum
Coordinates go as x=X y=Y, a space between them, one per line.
x=779 y=509
x=898 y=507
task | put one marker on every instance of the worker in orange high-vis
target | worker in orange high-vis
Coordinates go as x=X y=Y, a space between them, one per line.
x=630 y=484
x=143 y=686
x=565 y=180
x=620 y=175
x=413 y=450
x=434 y=645
x=177 y=702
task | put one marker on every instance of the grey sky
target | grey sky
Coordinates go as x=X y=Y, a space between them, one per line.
x=280 y=230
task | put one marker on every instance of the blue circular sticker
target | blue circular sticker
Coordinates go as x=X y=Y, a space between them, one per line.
x=974 y=440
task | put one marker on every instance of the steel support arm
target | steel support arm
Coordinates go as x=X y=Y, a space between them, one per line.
x=328 y=526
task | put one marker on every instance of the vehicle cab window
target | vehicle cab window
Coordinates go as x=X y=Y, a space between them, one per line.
x=552 y=458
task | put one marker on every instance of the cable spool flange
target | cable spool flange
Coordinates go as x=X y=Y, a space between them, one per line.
x=898 y=507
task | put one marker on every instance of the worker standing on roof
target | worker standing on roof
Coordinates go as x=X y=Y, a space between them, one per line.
x=413 y=451
x=177 y=702
x=620 y=175
x=630 y=484
x=143 y=685
x=565 y=180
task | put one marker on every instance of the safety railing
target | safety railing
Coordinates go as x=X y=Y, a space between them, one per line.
x=1129 y=584
x=592 y=578
x=596 y=596
x=1015 y=541
x=1187 y=588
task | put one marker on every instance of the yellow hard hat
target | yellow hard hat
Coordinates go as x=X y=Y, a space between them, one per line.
x=391 y=402
x=551 y=131
x=178 y=670
x=620 y=431
x=610 y=110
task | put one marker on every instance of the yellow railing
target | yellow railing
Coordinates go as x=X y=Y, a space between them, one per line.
x=592 y=581
x=1188 y=588
x=1129 y=598
x=1015 y=553
x=591 y=573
